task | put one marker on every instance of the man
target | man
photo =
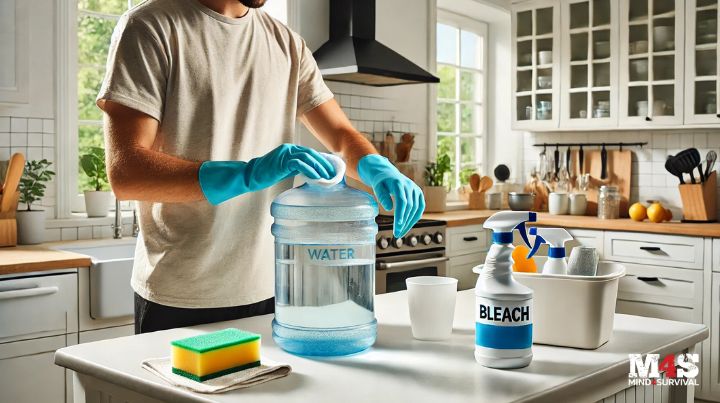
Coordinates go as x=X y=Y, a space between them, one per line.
x=200 y=100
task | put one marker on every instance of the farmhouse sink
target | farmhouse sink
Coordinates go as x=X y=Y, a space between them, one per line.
x=112 y=260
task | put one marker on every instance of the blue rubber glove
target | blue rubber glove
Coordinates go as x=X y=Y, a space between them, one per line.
x=223 y=180
x=390 y=185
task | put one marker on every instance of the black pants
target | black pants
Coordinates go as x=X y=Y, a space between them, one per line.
x=150 y=316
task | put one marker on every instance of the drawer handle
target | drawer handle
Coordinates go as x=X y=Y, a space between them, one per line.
x=651 y=248
x=470 y=238
x=27 y=292
x=648 y=279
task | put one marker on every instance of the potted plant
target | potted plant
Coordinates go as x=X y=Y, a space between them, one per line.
x=435 y=192
x=97 y=201
x=30 y=222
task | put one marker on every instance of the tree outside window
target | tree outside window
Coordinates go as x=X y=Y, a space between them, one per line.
x=460 y=100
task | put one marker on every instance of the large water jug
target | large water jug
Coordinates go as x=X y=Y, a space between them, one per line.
x=324 y=267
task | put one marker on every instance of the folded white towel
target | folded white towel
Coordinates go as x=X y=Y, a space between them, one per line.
x=267 y=371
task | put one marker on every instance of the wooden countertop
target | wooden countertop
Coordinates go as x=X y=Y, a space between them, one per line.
x=24 y=259
x=460 y=218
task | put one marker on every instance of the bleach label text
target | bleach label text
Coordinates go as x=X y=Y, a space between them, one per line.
x=503 y=324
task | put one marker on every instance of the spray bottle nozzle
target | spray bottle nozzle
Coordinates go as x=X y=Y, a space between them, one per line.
x=538 y=241
x=555 y=237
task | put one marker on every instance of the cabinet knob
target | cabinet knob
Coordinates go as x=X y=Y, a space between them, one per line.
x=648 y=118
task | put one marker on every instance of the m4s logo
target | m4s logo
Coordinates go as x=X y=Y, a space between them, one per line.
x=678 y=369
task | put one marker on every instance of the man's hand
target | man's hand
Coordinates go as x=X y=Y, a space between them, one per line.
x=393 y=188
x=223 y=180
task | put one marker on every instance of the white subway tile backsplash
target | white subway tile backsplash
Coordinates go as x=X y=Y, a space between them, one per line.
x=69 y=234
x=4 y=124
x=700 y=140
x=4 y=139
x=355 y=101
x=49 y=154
x=85 y=233
x=48 y=140
x=34 y=154
x=35 y=125
x=18 y=139
x=18 y=125
x=35 y=139
x=52 y=235
x=713 y=140
x=48 y=126
x=4 y=153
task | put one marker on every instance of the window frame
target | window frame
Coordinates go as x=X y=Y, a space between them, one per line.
x=69 y=201
x=480 y=29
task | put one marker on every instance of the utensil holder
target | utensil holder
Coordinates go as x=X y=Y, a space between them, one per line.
x=8 y=223
x=700 y=200
x=476 y=201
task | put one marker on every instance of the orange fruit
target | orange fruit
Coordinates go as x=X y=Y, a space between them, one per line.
x=656 y=212
x=520 y=261
x=637 y=212
x=668 y=215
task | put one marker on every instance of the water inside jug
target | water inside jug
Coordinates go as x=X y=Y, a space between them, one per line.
x=324 y=267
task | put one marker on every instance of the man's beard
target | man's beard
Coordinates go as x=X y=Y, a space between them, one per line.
x=253 y=3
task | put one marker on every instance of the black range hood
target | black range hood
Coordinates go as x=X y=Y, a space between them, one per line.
x=352 y=54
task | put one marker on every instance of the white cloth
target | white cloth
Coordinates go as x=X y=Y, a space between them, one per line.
x=267 y=371
x=222 y=89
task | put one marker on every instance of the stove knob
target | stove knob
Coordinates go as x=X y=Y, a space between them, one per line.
x=411 y=240
x=383 y=243
x=426 y=239
x=438 y=237
x=397 y=242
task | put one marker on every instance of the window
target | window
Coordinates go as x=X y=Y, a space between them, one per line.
x=461 y=95
x=95 y=22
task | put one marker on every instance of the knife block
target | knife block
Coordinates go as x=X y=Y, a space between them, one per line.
x=700 y=200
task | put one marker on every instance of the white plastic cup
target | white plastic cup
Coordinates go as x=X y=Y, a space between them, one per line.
x=558 y=203
x=431 y=301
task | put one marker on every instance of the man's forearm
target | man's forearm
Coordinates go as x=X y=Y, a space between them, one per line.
x=135 y=170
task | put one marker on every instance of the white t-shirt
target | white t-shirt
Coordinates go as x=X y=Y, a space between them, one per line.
x=222 y=89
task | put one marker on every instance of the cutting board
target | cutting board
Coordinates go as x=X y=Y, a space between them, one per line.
x=619 y=174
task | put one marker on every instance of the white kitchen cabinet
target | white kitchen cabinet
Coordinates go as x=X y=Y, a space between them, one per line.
x=27 y=65
x=716 y=255
x=715 y=338
x=652 y=44
x=589 y=63
x=29 y=373
x=701 y=62
x=466 y=246
x=536 y=61
x=656 y=249
x=661 y=292
x=460 y=267
x=107 y=333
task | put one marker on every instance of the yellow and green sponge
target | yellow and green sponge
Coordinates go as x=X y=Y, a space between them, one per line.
x=215 y=354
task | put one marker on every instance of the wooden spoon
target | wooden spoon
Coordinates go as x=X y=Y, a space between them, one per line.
x=485 y=183
x=12 y=179
x=475 y=182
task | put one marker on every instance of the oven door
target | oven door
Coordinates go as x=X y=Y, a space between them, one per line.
x=391 y=271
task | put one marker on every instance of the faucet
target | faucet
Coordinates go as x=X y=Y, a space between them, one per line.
x=135 y=226
x=117 y=226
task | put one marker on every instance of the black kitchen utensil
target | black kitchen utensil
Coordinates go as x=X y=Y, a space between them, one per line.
x=603 y=162
x=501 y=172
x=557 y=161
x=670 y=167
x=581 y=160
x=568 y=161
x=686 y=161
x=711 y=157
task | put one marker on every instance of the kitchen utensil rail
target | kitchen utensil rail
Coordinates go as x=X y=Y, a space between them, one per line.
x=611 y=144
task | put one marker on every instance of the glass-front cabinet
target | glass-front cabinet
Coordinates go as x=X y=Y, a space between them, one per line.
x=651 y=62
x=590 y=63
x=536 y=64
x=701 y=62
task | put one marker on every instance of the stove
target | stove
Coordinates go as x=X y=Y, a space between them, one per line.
x=421 y=252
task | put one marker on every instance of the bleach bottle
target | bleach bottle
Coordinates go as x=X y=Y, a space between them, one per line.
x=503 y=307
x=555 y=238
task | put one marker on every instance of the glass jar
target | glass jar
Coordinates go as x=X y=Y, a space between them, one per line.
x=608 y=203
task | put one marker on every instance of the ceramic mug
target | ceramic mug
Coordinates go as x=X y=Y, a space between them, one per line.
x=642 y=108
x=578 y=204
x=545 y=57
x=659 y=107
x=558 y=203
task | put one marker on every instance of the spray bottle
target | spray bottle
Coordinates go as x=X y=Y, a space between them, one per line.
x=556 y=238
x=503 y=307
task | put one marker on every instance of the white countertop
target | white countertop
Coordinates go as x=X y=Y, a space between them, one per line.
x=397 y=367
